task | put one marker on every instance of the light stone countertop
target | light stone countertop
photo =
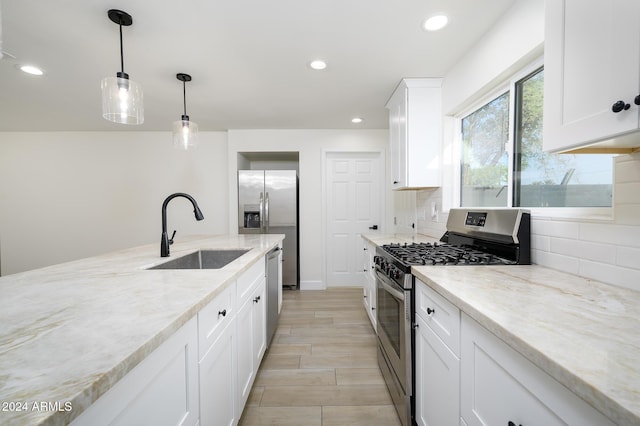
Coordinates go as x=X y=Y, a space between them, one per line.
x=585 y=334
x=69 y=332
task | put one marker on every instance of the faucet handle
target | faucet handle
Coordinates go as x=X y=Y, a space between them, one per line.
x=172 y=235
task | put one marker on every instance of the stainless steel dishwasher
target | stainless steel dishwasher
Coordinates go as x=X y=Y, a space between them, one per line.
x=273 y=272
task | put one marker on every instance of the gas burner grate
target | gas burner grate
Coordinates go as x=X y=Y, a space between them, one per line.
x=442 y=254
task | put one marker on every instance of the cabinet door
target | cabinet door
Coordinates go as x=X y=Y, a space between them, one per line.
x=218 y=404
x=437 y=380
x=397 y=106
x=252 y=339
x=259 y=324
x=499 y=386
x=244 y=339
x=591 y=62
x=161 y=390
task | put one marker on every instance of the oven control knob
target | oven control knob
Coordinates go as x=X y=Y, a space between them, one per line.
x=393 y=272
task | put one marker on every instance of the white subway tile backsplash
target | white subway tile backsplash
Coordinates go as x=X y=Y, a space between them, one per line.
x=627 y=214
x=540 y=242
x=611 y=274
x=584 y=250
x=627 y=168
x=628 y=236
x=629 y=258
x=555 y=228
x=598 y=232
x=556 y=261
x=627 y=193
x=607 y=251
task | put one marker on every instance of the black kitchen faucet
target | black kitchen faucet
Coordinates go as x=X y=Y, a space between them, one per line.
x=165 y=242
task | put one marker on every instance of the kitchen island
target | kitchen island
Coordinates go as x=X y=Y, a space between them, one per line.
x=71 y=331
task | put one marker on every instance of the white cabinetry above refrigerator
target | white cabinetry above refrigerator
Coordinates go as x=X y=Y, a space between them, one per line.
x=415 y=123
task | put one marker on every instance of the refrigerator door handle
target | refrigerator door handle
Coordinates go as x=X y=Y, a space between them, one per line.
x=266 y=212
x=261 y=211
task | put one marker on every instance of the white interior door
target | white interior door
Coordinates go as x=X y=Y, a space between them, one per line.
x=354 y=206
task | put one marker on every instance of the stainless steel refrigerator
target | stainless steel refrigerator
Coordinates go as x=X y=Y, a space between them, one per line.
x=268 y=204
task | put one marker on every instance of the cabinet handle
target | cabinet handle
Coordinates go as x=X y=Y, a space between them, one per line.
x=373 y=309
x=257 y=299
x=395 y=182
x=637 y=100
x=620 y=105
x=512 y=423
x=222 y=312
x=430 y=311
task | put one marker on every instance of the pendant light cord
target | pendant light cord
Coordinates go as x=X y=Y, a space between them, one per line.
x=184 y=96
x=121 y=49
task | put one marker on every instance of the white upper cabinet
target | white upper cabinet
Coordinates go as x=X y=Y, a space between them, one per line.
x=415 y=123
x=592 y=75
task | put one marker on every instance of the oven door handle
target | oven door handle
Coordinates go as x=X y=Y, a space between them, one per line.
x=394 y=292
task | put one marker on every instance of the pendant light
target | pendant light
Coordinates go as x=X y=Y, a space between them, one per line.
x=121 y=97
x=185 y=132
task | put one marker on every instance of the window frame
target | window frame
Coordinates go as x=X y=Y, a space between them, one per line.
x=509 y=85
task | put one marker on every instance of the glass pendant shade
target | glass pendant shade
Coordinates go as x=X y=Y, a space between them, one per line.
x=122 y=100
x=185 y=134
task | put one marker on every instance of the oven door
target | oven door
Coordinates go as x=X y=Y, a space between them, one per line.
x=394 y=328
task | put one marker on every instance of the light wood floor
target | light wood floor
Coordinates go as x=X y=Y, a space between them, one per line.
x=321 y=368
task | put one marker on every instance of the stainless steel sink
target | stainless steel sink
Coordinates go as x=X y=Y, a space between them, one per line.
x=203 y=259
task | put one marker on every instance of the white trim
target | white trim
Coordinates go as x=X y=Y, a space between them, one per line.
x=312 y=285
x=565 y=213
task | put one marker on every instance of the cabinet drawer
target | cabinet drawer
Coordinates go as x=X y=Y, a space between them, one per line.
x=249 y=279
x=440 y=315
x=213 y=318
x=499 y=385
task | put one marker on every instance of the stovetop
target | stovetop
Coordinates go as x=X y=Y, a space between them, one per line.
x=443 y=254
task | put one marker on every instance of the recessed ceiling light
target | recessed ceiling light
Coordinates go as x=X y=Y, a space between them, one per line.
x=357 y=120
x=30 y=69
x=318 y=64
x=435 y=23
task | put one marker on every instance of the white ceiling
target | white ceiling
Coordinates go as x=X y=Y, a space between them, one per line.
x=248 y=59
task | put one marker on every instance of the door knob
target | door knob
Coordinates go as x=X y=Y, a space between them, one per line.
x=374 y=227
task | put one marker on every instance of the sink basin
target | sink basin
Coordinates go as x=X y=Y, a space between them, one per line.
x=203 y=259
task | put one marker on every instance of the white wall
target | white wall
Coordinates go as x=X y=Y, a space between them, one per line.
x=69 y=195
x=603 y=250
x=311 y=145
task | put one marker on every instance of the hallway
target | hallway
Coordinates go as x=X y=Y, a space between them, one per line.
x=321 y=368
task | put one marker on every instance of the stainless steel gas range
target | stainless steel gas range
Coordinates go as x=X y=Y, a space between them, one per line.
x=498 y=236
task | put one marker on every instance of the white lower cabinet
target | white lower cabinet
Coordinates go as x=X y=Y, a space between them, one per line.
x=501 y=387
x=437 y=379
x=218 y=364
x=369 y=285
x=161 y=390
x=437 y=364
x=251 y=326
x=218 y=404
x=203 y=373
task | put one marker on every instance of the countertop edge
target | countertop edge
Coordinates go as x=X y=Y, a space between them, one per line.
x=573 y=382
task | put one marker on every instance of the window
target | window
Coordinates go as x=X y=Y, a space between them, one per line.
x=502 y=168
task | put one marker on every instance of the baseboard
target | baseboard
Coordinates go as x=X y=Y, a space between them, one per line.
x=312 y=285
